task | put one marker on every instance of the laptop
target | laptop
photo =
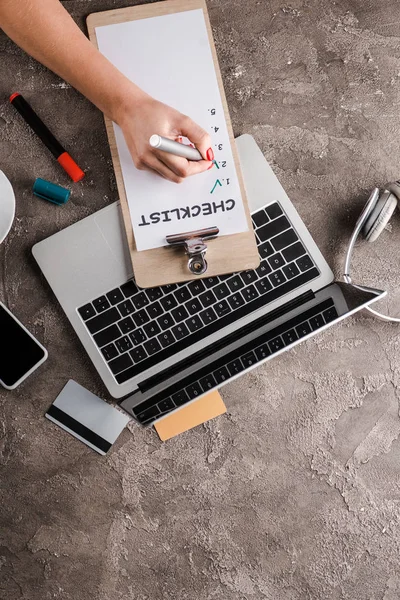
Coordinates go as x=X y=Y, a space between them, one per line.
x=158 y=349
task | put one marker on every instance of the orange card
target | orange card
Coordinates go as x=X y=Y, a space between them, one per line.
x=190 y=416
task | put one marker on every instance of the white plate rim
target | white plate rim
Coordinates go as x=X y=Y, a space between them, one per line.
x=6 y=216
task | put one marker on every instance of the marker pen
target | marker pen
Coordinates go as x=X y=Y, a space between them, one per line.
x=167 y=145
x=65 y=160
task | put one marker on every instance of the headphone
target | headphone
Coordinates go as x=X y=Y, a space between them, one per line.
x=375 y=216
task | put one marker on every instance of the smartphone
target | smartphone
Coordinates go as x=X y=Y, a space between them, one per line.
x=20 y=352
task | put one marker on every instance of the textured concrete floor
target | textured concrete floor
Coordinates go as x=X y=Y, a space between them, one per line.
x=295 y=493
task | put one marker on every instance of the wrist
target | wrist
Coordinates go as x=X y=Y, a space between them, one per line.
x=128 y=98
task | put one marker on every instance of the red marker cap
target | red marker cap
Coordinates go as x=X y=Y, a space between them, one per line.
x=13 y=96
x=70 y=166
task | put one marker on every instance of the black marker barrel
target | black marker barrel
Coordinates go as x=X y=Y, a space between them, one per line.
x=36 y=123
x=44 y=133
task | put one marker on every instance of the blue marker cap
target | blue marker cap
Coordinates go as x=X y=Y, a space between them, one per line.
x=50 y=191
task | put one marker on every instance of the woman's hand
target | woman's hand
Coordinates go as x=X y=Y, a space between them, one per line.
x=145 y=116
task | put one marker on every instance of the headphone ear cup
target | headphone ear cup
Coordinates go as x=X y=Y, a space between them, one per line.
x=380 y=216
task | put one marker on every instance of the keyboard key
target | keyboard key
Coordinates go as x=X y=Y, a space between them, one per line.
x=140 y=300
x=272 y=228
x=265 y=250
x=168 y=302
x=330 y=314
x=235 y=283
x=148 y=414
x=262 y=351
x=196 y=287
x=193 y=390
x=109 y=352
x=137 y=337
x=152 y=346
x=126 y=325
x=263 y=269
x=154 y=294
x=248 y=359
x=273 y=210
x=284 y=239
x=291 y=270
x=121 y=363
x=263 y=286
x=276 y=261
x=170 y=287
x=260 y=218
x=207 y=383
x=155 y=310
x=293 y=251
x=221 y=375
x=222 y=308
x=209 y=282
x=165 y=322
x=166 y=339
x=207 y=298
x=129 y=288
x=236 y=301
x=101 y=304
x=277 y=278
x=248 y=277
x=115 y=296
x=235 y=367
x=123 y=344
x=180 y=398
x=102 y=320
x=221 y=291
x=208 y=316
x=180 y=331
x=151 y=329
x=316 y=322
x=87 y=311
x=141 y=317
x=249 y=293
x=180 y=314
x=289 y=337
x=303 y=329
x=138 y=354
x=304 y=263
x=182 y=294
x=193 y=306
x=194 y=323
x=126 y=308
x=166 y=405
x=276 y=344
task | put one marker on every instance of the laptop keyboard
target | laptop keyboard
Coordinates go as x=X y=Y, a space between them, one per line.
x=137 y=328
x=229 y=365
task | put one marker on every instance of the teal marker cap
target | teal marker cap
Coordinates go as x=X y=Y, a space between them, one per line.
x=50 y=191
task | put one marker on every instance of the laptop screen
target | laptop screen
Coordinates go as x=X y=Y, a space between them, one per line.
x=265 y=337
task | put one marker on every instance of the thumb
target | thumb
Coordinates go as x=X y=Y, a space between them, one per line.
x=198 y=136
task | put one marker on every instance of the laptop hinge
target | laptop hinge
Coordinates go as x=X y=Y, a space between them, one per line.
x=147 y=384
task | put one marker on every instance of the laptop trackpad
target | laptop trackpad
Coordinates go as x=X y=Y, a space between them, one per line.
x=110 y=223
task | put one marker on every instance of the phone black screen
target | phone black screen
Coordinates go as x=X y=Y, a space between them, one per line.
x=18 y=351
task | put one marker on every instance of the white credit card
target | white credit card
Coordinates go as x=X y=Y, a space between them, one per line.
x=87 y=417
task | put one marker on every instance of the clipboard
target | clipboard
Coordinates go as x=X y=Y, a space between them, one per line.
x=166 y=265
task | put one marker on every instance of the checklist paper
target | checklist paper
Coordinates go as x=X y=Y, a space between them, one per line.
x=170 y=58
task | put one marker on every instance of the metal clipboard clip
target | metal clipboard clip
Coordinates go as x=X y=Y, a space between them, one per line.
x=195 y=247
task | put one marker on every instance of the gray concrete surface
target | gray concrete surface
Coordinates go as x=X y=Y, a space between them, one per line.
x=295 y=493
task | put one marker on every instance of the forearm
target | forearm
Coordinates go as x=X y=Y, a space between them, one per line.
x=64 y=49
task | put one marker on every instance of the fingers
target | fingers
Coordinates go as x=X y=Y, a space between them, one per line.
x=198 y=136
x=182 y=167
x=153 y=163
